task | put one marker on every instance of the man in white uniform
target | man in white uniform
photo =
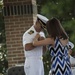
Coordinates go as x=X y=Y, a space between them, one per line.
x=72 y=59
x=33 y=62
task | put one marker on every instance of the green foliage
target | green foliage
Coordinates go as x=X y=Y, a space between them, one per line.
x=3 y=59
x=1 y=5
x=58 y=8
x=1 y=2
x=3 y=50
x=2 y=29
x=70 y=28
x=47 y=62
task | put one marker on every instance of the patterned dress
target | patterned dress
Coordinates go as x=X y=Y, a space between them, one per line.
x=60 y=59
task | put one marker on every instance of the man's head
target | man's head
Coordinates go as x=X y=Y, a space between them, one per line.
x=40 y=22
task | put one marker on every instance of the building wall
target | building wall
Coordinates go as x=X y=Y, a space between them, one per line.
x=19 y=15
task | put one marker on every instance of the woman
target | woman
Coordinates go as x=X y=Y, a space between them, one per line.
x=58 y=45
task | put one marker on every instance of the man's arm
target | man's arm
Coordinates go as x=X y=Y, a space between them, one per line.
x=29 y=46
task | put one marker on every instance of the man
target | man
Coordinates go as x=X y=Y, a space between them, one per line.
x=72 y=59
x=33 y=62
x=71 y=46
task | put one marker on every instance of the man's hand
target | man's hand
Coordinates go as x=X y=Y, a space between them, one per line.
x=37 y=36
x=41 y=38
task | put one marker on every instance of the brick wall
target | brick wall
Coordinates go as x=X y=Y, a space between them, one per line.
x=19 y=15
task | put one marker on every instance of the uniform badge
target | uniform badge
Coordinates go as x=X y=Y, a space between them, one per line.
x=31 y=32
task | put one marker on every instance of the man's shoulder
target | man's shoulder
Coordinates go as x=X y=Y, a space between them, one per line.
x=29 y=31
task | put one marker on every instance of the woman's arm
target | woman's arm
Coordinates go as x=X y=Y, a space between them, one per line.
x=46 y=41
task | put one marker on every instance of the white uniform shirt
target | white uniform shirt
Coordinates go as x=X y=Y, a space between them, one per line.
x=28 y=38
x=72 y=60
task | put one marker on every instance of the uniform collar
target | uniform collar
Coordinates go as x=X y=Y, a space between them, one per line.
x=34 y=29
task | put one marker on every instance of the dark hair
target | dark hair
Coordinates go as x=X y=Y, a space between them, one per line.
x=55 y=29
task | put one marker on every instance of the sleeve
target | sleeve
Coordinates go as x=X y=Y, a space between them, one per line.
x=42 y=34
x=72 y=60
x=71 y=45
x=26 y=39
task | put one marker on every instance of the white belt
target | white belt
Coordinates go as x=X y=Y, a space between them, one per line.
x=73 y=67
x=34 y=57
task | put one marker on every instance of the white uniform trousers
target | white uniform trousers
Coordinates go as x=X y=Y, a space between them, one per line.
x=73 y=70
x=34 y=66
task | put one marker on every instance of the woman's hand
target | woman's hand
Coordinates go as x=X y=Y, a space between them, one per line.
x=37 y=36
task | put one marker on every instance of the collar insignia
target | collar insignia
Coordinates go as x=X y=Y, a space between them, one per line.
x=31 y=32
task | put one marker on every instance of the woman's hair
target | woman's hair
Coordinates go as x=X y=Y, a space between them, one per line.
x=55 y=29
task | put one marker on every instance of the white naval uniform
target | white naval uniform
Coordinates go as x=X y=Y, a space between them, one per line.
x=33 y=62
x=72 y=60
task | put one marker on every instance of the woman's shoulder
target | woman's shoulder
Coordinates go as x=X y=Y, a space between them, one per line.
x=64 y=42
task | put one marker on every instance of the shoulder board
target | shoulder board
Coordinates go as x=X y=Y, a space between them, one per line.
x=31 y=32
